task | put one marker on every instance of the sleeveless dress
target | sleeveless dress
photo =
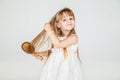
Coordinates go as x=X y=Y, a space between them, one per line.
x=58 y=67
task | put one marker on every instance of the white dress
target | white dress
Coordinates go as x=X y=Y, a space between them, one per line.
x=57 y=67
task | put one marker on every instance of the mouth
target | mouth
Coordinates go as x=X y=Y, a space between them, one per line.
x=69 y=24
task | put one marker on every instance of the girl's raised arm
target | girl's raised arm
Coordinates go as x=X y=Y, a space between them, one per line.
x=72 y=39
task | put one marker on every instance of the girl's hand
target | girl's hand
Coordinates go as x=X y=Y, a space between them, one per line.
x=44 y=53
x=37 y=56
x=47 y=27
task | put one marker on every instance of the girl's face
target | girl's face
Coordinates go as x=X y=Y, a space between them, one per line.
x=67 y=23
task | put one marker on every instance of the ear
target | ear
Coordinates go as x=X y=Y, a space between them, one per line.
x=58 y=25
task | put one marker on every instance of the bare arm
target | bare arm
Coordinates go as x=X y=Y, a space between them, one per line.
x=44 y=53
x=39 y=55
x=73 y=39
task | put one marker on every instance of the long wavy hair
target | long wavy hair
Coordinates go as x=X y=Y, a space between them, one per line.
x=42 y=38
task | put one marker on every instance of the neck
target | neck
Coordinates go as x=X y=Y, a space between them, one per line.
x=65 y=33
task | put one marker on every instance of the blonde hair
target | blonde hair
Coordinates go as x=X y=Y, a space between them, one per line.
x=42 y=37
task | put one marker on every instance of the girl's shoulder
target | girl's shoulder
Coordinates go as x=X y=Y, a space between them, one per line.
x=74 y=35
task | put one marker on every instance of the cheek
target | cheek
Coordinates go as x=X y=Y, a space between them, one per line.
x=73 y=22
x=63 y=24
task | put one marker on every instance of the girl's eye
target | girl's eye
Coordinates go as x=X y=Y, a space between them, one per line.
x=70 y=18
x=64 y=19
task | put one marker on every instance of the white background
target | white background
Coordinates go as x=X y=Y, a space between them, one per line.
x=97 y=25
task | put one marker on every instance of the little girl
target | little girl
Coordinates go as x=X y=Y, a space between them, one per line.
x=63 y=61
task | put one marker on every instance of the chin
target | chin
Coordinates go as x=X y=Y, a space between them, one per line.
x=70 y=28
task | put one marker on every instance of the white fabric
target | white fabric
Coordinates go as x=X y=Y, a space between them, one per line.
x=59 y=68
